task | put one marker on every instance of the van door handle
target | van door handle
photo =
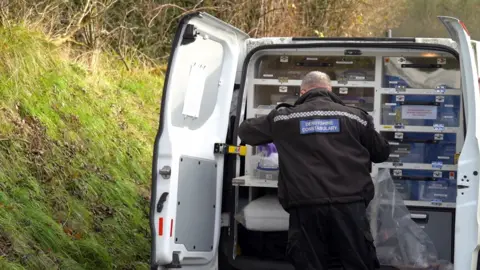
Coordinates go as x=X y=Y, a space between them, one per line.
x=161 y=202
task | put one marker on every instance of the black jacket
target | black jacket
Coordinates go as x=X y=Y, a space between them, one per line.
x=325 y=149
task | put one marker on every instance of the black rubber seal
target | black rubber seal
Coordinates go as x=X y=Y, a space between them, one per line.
x=369 y=39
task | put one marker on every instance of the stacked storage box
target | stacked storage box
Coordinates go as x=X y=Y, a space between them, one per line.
x=423 y=112
x=420 y=114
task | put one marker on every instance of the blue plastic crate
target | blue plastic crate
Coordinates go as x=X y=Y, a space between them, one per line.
x=407 y=189
x=421 y=110
x=439 y=191
x=425 y=185
x=420 y=147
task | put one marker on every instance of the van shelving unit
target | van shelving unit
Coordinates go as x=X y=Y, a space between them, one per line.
x=418 y=208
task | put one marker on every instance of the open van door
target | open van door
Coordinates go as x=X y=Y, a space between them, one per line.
x=187 y=176
x=467 y=237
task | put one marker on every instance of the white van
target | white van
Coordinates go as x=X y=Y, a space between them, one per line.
x=217 y=76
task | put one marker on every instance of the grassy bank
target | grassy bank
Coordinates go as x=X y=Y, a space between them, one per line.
x=75 y=158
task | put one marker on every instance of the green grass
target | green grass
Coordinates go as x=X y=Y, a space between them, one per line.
x=75 y=157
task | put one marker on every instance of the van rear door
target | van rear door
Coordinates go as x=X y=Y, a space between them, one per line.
x=187 y=176
x=467 y=237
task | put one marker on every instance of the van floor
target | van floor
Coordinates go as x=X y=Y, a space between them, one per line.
x=266 y=251
x=251 y=263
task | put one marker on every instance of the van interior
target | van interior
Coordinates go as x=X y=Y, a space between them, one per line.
x=414 y=97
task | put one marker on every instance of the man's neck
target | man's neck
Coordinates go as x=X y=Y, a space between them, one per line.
x=321 y=86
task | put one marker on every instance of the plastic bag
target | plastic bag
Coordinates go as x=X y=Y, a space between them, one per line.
x=264 y=214
x=268 y=157
x=399 y=241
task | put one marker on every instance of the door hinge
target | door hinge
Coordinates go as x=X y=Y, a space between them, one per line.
x=223 y=148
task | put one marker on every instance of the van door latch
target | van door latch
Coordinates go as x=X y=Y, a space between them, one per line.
x=165 y=172
x=223 y=148
x=161 y=202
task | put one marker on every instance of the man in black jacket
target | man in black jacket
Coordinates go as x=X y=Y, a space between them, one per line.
x=325 y=152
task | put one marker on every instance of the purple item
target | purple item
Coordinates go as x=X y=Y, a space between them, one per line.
x=269 y=148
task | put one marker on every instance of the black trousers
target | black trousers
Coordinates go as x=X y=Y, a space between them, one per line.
x=318 y=231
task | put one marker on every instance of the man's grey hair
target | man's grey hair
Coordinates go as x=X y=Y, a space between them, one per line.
x=315 y=79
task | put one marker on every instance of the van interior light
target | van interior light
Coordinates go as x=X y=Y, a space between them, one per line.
x=429 y=54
